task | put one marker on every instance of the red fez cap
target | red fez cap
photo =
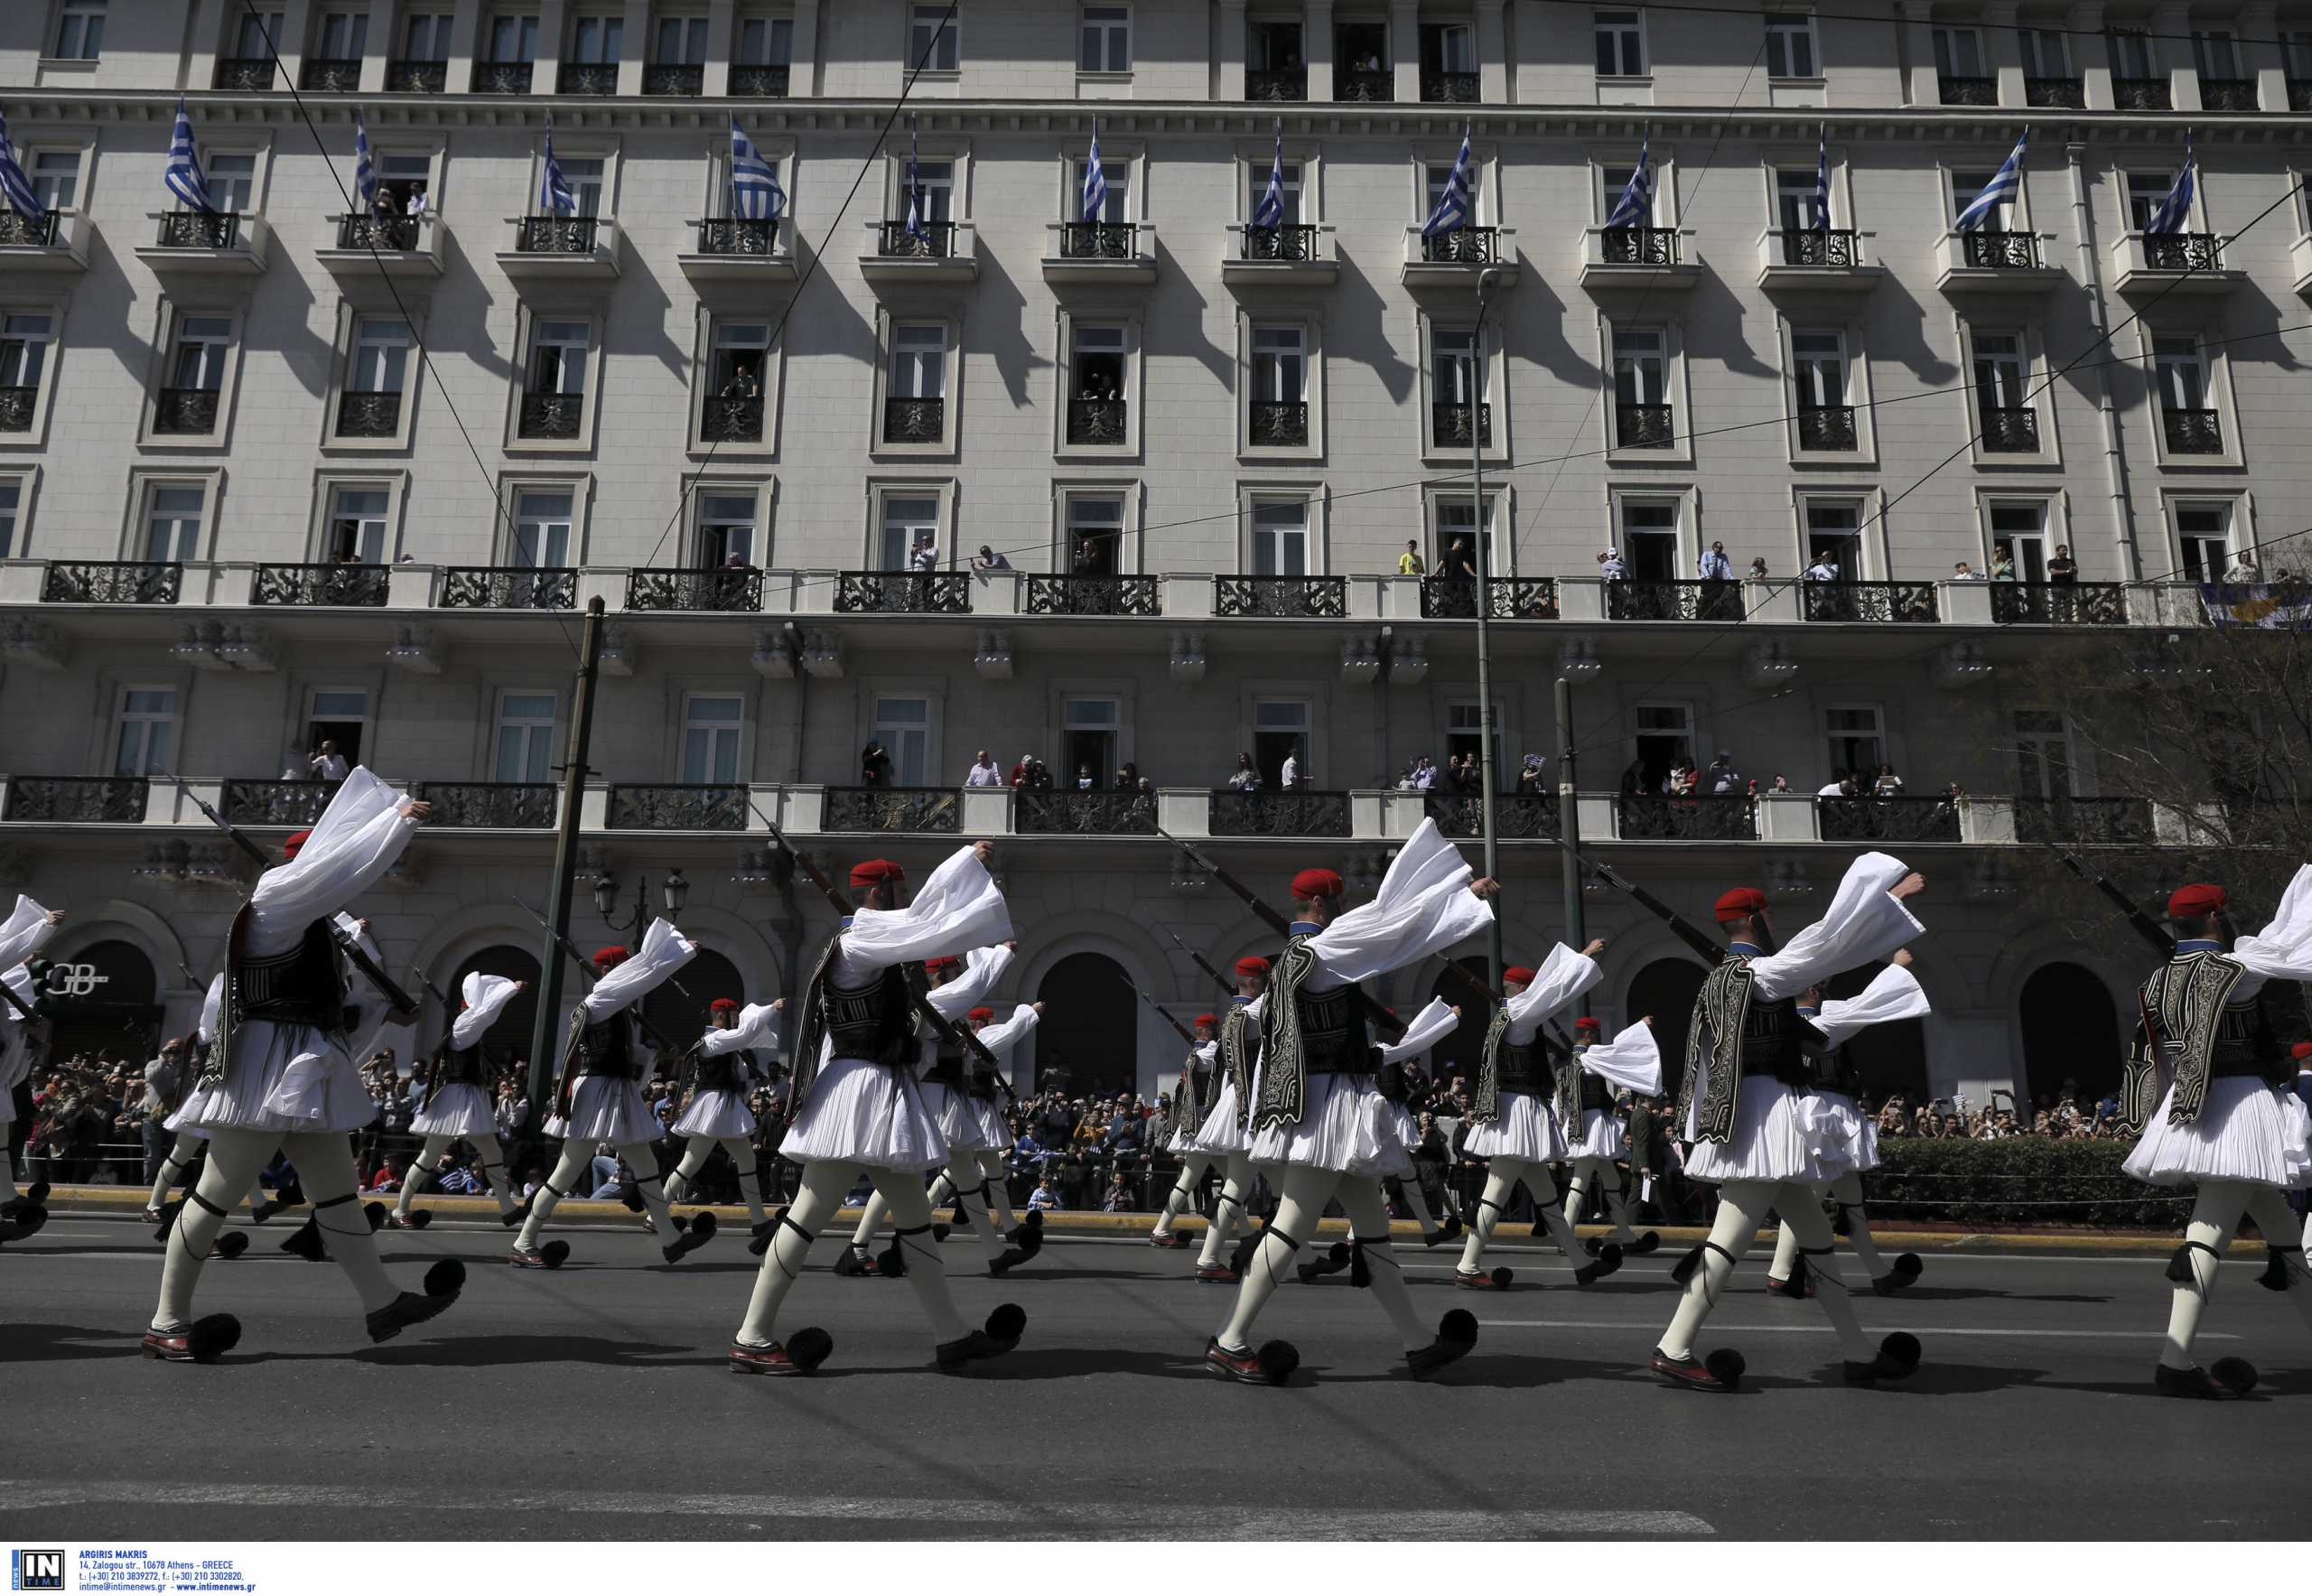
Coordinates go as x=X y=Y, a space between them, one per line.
x=1520 y=974
x=2195 y=899
x=1587 y=1022
x=1317 y=883
x=1208 y=1020
x=2302 y=1050
x=1739 y=903
x=1251 y=964
x=981 y=1015
x=296 y=840
x=723 y=1005
x=609 y=958
x=946 y=961
x=874 y=873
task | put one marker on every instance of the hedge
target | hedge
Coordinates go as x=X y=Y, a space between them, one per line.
x=2024 y=1182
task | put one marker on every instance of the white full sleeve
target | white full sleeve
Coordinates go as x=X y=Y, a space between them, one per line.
x=981 y=967
x=1563 y=977
x=1004 y=1033
x=1865 y=922
x=757 y=1027
x=212 y=1005
x=2282 y=950
x=1432 y=1025
x=1421 y=912
x=360 y=836
x=663 y=951
x=1894 y=993
x=1632 y=1061
x=486 y=998
x=958 y=906
x=25 y=932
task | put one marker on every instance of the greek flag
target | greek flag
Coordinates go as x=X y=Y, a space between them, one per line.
x=2175 y=213
x=555 y=193
x=1635 y=209
x=1270 y=211
x=2000 y=190
x=13 y=186
x=365 y=172
x=755 y=194
x=1821 y=221
x=1096 y=181
x=915 y=218
x=183 y=176
x=1455 y=205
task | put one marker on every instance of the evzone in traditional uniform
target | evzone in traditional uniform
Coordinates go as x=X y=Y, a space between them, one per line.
x=2227 y=1121
x=859 y=1106
x=726 y=1069
x=283 y=1073
x=160 y=1211
x=961 y=1094
x=1432 y=1025
x=604 y=1061
x=998 y=1037
x=457 y=1102
x=1319 y=1113
x=1513 y=1118
x=1744 y=1107
x=1632 y=1061
x=1192 y=1100
x=1847 y=1139
x=1221 y=1135
x=26 y=930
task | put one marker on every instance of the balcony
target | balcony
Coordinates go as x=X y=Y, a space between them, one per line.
x=734 y=419
x=1815 y=260
x=329 y=75
x=2228 y=94
x=1364 y=87
x=110 y=581
x=598 y=79
x=1901 y=602
x=47 y=241
x=501 y=77
x=1281 y=598
x=2065 y=94
x=2300 y=93
x=2153 y=265
x=1297 y=813
x=1645 y=426
x=508 y=587
x=677 y=80
x=1137 y=596
x=1085 y=814
x=723 y=591
x=915 y=421
x=274 y=803
x=759 y=82
x=424 y=77
x=934 y=252
x=1887 y=820
x=739 y=250
x=1517 y=817
x=1452 y=261
x=1666 y=599
x=243 y=74
x=903 y=592
x=1113 y=252
x=1993 y=264
x=1826 y=429
x=551 y=417
x=1514 y=598
x=185 y=412
x=562 y=249
x=1454 y=88
x=2112 y=821
x=1098 y=423
x=1450 y=426
x=676 y=806
x=501 y=805
x=2140 y=94
x=1285 y=87
x=2009 y=430
x=1651 y=258
x=935 y=811
x=404 y=247
x=196 y=244
x=343 y=586
x=2191 y=432
x=16 y=407
x=2058 y=603
x=1292 y=255
x=369 y=414
x=77 y=800
x=1967 y=91
x=1646 y=818
x=1276 y=424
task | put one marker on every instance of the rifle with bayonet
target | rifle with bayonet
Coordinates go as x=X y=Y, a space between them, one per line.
x=1202 y=963
x=1706 y=948
x=1185 y=1099
x=2144 y=925
x=658 y=1037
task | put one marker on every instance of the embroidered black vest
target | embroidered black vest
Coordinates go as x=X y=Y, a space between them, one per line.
x=1528 y=1067
x=303 y=986
x=2189 y=998
x=1240 y=1051
x=460 y=1067
x=1732 y=1035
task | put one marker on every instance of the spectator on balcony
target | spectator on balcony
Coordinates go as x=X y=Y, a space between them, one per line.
x=924 y=560
x=1246 y=777
x=1758 y=568
x=1084 y=779
x=1610 y=567
x=1714 y=564
x=2244 y=569
x=417 y=202
x=2002 y=562
x=742 y=385
x=1962 y=572
x=1723 y=779
x=1039 y=775
x=988 y=559
x=874 y=765
x=1289 y=777
x=1529 y=777
x=2063 y=571
x=1460 y=562
x=1780 y=784
x=984 y=772
x=1680 y=781
x=1424 y=774
x=381 y=205
x=1410 y=562
x=1086 y=562
x=327 y=764
x=1824 y=569
x=1144 y=801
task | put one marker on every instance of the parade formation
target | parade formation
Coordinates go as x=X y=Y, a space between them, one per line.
x=899 y=1071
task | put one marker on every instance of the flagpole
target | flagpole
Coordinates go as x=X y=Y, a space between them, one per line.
x=1487 y=280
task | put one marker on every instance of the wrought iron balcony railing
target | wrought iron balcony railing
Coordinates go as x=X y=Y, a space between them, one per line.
x=369 y=414
x=200 y=229
x=2003 y=251
x=274 y=803
x=674 y=78
x=734 y=420
x=555 y=416
x=1288 y=85
x=556 y=235
x=914 y=421
x=2228 y=94
x=1968 y=91
x=16 y=407
x=2060 y=603
x=185 y=410
x=1093 y=595
x=1085 y=814
x=2011 y=430
x=759 y=82
x=1295 y=241
x=1517 y=816
x=1465 y=246
x=1900 y=601
x=77 y=800
x=1638 y=245
x=1664 y=599
x=1296 y=813
x=2300 y=93
x=2067 y=94
x=937 y=810
x=111 y=581
x=1820 y=247
x=419 y=77
x=1887 y=820
x=513 y=806
x=37 y=231
x=586 y=77
x=2191 y=432
x=1365 y=87
x=1514 y=598
x=329 y=75
x=381 y=233
x=738 y=235
x=1826 y=426
x=501 y=77
x=678 y=591
x=677 y=807
x=2108 y=821
x=1650 y=818
x=1458 y=88
x=903 y=592
x=2182 y=252
x=244 y=74
x=1099 y=240
x=1279 y=424
x=1097 y=421
x=1291 y=598
x=1448 y=425
x=930 y=240
x=508 y=587
x=2140 y=94
x=349 y=586
x=1645 y=426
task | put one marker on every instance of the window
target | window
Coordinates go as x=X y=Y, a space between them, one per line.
x=1280 y=365
x=1281 y=731
x=766 y=42
x=1276 y=48
x=1457 y=520
x=1642 y=417
x=710 y=727
x=357 y=525
x=1094 y=728
x=726 y=529
x=172 y=518
x=1465 y=738
x=2146 y=192
x=558 y=357
x=1106 y=39
x=1280 y=537
x=584 y=175
x=1834 y=533
x=2203 y=537
x=56 y=178
x=920 y=360
x=513 y=39
x=2047 y=52
x=524 y=739
x=2213 y=52
x=2296 y=55
x=1958 y=53
x=1818 y=368
x=1455 y=376
x=343 y=35
x=2002 y=374
x=2042 y=754
x=338 y=716
x=907 y=523
x=404 y=181
x=2021 y=530
x=1793 y=200
x=145 y=730
x=426 y=36
x=681 y=41
x=380 y=362
x=197 y=359
x=1095 y=366
x=80 y=30
x=1613 y=180
x=935 y=187
x=1649 y=539
x=1434 y=179
x=1665 y=735
x=1288 y=187
x=2133 y=55
x=542 y=528
x=2181 y=372
x=1621 y=44
x=232 y=181
x=12 y=502
x=1858 y=740
x=1115 y=176
x=1094 y=526
x=1449 y=48
x=257 y=34
x=23 y=352
x=740 y=352
x=931 y=39
x=903 y=726
x=1790 y=45
x=1966 y=185
x=598 y=40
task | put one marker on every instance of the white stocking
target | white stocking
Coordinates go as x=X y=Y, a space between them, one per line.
x=910 y=1209
x=1183 y=1194
x=1847 y=1192
x=324 y=1161
x=1543 y=1192
x=1616 y=1200
x=427 y=1157
x=2215 y=1215
x=1419 y=1204
x=2283 y=1231
x=990 y=1165
x=1305 y=1192
x=821 y=1194
x=972 y=1200
x=576 y=1158
x=871 y=1215
x=174 y=1166
x=1816 y=1245
x=1741 y=1205
x=1369 y=1223
x=639 y=1156
x=235 y=1157
x=696 y=1151
x=1227 y=1209
x=1785 y=1249
x=1500 y=1181
x=742 y=1158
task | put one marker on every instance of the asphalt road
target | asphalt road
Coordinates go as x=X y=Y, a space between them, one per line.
x=592 y=1403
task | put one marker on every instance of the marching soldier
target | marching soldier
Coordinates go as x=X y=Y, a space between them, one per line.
x=724 y=1072
x=456 y=1101
x=1585 y=1105
x=25 y=932
x=1192 y=1100
x=1221 y=1135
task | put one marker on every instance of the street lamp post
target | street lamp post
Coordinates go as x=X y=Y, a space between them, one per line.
x=674 y=891
x=1487 y=280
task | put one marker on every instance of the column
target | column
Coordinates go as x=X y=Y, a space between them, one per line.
x=636 y=49
x=381 y=47
x=1494 y=78
x=1229 y=49
x=465 y=45
x=1317 y=49
x=803 y=77
x=208 y=34
x=720 y=41
x=289 y=43
x=1404 y=49
x=2266 y=63
x=1914 y=50
x=553 y=38
x=2174 y=22
x=2089 y=55
x=2004 y=55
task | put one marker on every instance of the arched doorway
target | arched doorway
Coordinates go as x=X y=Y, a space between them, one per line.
x=1462 y=1052
x=510 y=1038
x=679 y=1007
x=2071 y=1032
x=1666 y=989
x=1890 y=1058
x=1088 y=1039
x=102 y=1001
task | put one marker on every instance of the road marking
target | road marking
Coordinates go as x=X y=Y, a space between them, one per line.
x=1816 y=1329
x=1111 y=1520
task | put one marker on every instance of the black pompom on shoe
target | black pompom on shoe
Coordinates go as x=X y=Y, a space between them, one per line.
x=1002 y=1331
x=549 y=1257
x=26 y=1221
x=305 y=1242
x=854 y=1265
x=375 y=1212
x=204 y=1340
x=229 y=1244
x=1241 y=1260
x=519 y=1215
x=292 y=1196
x=1647 y=1243
x=688 y=1240
x=809 y=1347
x=1031 y=1222
x=1897 y=1359
x=2231 y=1379
x=1608 y=1259
x=2235 y=1374
x=759 y=1236
x=1481 y=1280
x=1457 y=1335
x=34 y=1196
x=165 y=1217
x=1019 y=1253
x=1450 y=1230
x=444 y=1281
x=419 y=1218
x=1334 y=1260
x=1905 y=1270
x=891 y=1262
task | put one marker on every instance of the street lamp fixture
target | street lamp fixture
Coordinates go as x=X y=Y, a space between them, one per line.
x=673 y=894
